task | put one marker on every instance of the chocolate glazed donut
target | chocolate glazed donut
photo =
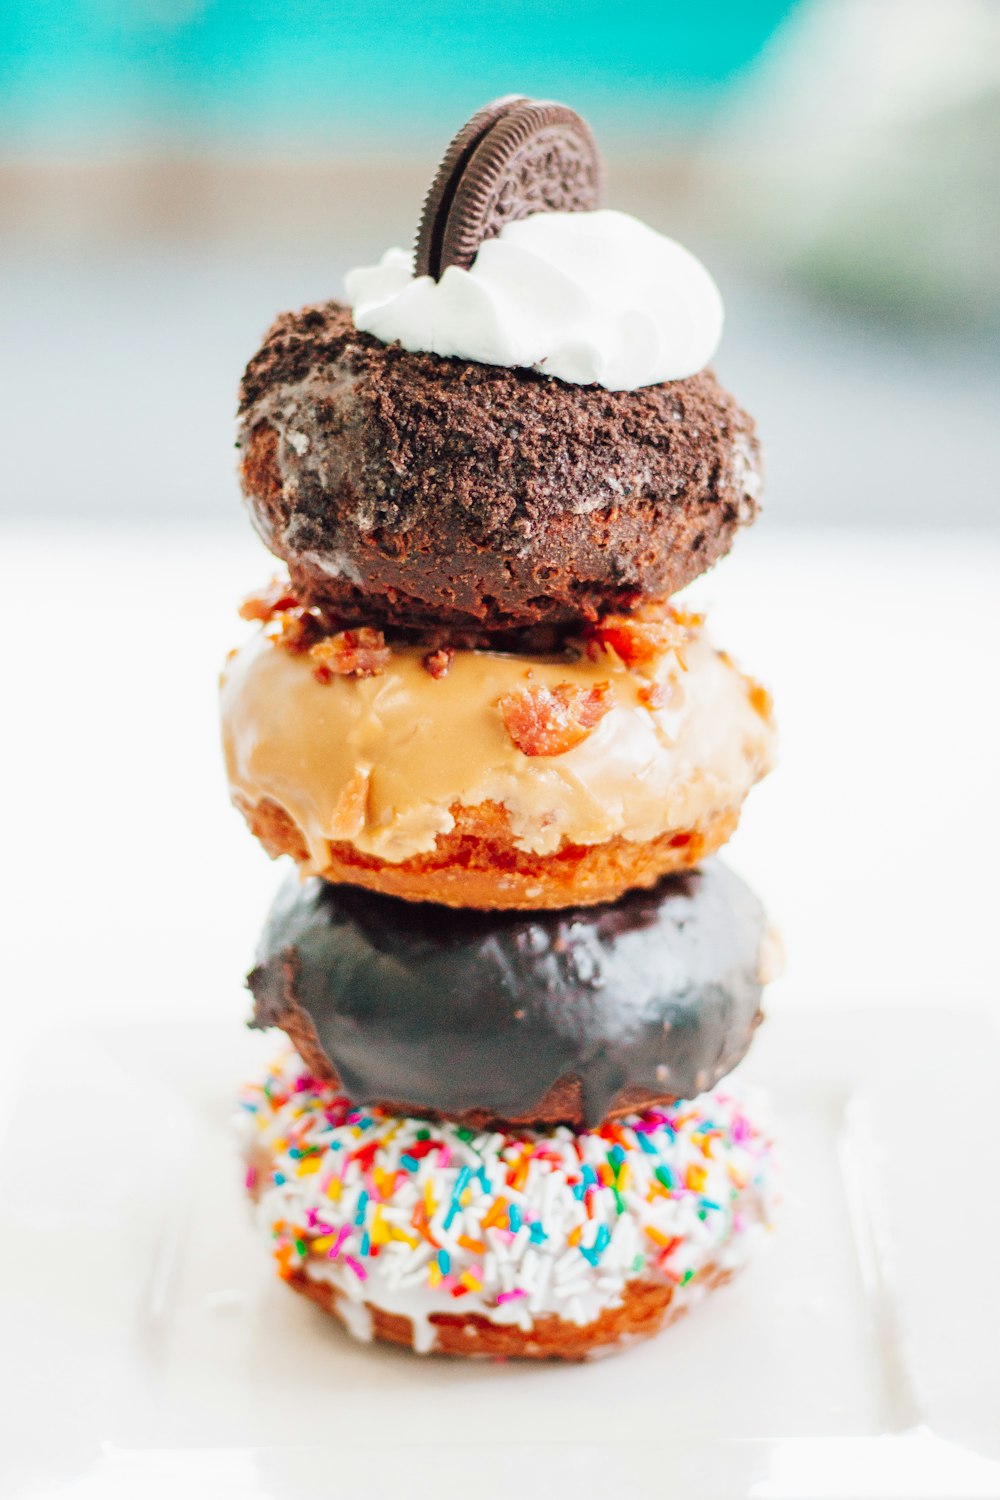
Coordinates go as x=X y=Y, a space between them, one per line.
x=500 y=1018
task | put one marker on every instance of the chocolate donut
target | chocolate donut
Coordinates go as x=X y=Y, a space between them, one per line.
x=435 y=494
x=563 y=1017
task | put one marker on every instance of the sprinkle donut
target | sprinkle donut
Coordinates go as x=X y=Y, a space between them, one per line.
x=556 y=1245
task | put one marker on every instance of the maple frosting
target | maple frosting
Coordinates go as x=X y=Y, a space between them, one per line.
x=380 y=761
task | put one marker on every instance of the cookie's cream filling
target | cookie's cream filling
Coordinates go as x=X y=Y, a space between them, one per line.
x=417 y=1219
x=593 y=298
x=380 y=761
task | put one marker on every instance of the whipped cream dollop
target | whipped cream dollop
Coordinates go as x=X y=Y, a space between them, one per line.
x=592 y=298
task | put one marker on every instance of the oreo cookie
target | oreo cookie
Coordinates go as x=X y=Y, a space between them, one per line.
x=515 y=157
x=516 y=1018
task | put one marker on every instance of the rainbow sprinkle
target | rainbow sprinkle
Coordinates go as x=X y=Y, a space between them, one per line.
x=419 y=1216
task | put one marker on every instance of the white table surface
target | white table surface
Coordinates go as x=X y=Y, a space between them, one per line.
x=848 y=1362
x=132 y=890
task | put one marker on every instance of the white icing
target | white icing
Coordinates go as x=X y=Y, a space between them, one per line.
x=356 y=1318
x=593 y=298
x=568 y=1257
x=771 y=958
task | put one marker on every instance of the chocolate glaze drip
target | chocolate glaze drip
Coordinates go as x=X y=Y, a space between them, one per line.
x=516 y=1017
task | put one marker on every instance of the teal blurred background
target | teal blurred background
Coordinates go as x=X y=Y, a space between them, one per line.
x=173 y=172
x=353 y=75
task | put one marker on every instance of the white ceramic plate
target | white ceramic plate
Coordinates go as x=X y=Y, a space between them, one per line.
x=146 y=1348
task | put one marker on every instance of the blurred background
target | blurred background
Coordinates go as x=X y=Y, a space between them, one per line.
x=173 y=172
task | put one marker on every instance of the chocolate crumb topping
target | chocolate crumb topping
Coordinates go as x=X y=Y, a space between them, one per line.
x=408 y=490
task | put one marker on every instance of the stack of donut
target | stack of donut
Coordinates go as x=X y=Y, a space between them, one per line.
x=500 y=756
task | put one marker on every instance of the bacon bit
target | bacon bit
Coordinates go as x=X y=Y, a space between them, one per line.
x=653 y=695
x=549 y=721
x=761 y=701
x=438 y=663
x=346 y=653
x=350 y=813
x=637 y=642
x=298 y=631
x=265 y=603
x=350 y=653
x=689 y=618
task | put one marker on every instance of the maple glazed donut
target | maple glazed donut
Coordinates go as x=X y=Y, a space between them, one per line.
x=517 y=1018
x=483 y=779
x=551 y=1245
